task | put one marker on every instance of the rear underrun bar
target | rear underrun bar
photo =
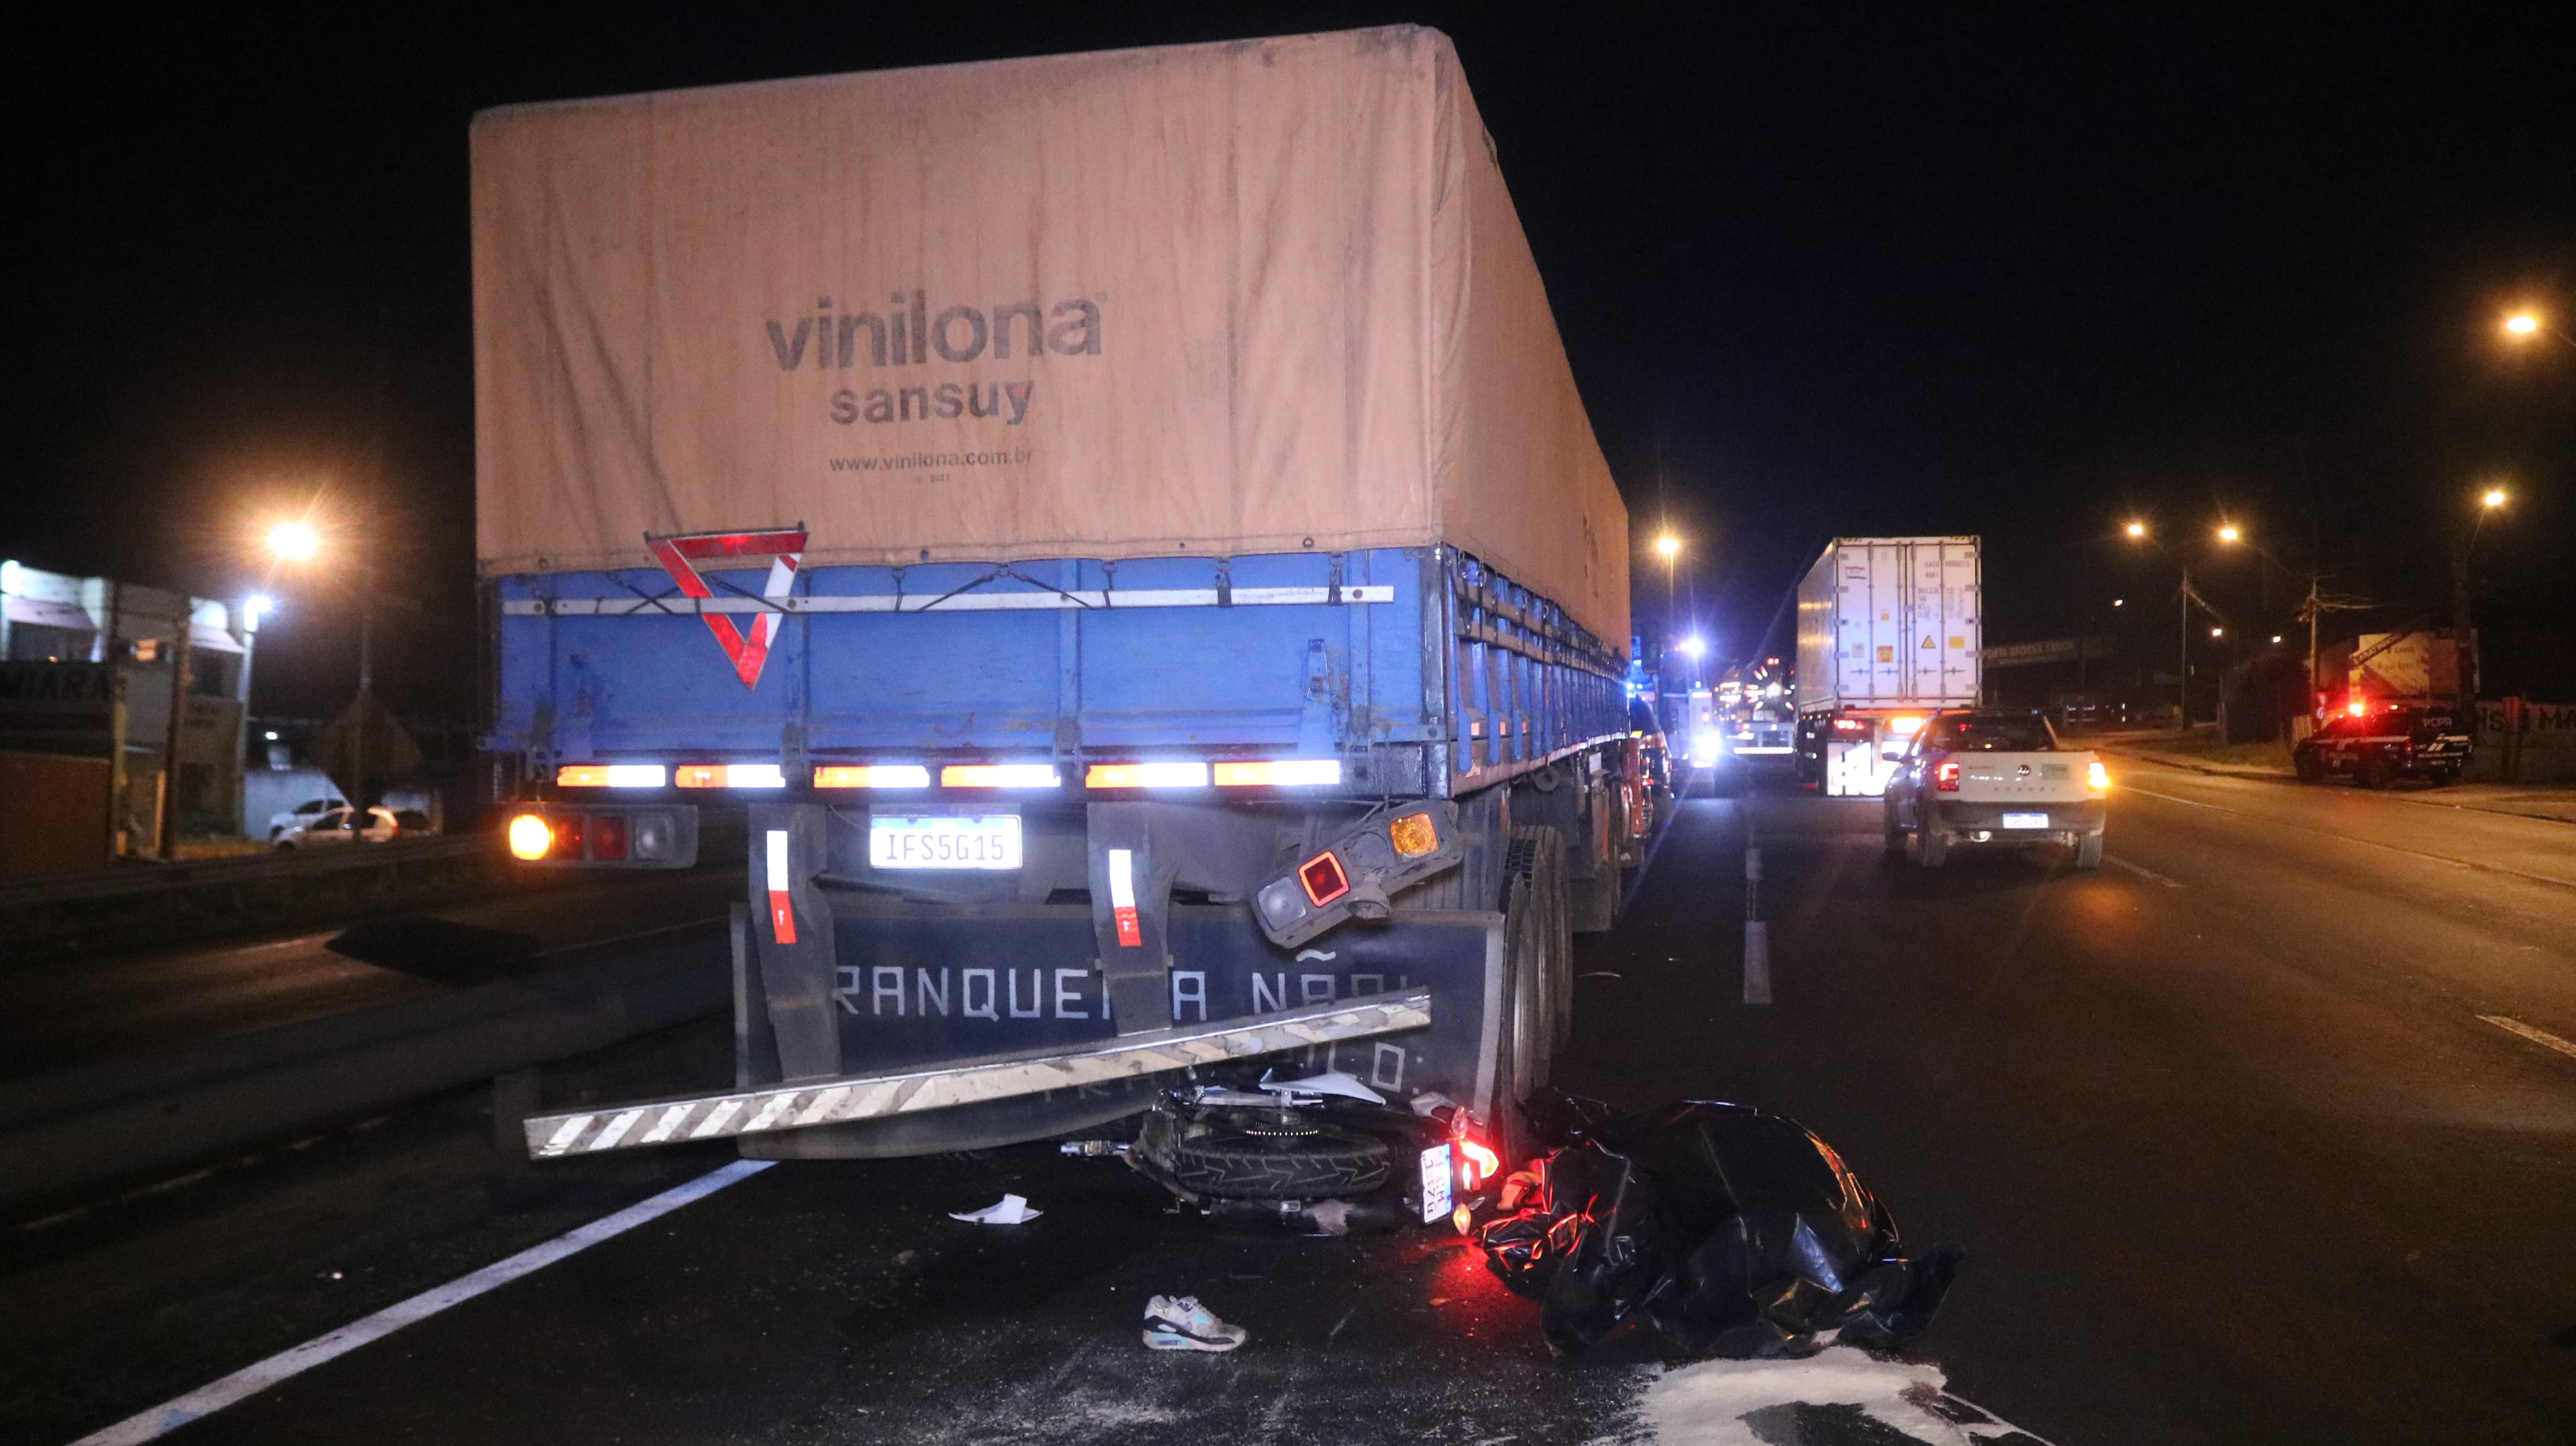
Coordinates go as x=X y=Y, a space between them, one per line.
x=993 y=1077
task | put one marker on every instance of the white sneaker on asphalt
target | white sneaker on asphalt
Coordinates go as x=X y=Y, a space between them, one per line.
x=1180 y=1323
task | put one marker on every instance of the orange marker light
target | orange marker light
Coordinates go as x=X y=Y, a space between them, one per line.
x=1414 y=835
x=530 y=838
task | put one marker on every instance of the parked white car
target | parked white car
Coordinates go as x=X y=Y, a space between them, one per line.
x=342 y=825
x=300 y=815
x=1979 y=776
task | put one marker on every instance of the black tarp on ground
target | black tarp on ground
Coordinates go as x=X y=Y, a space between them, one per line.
x=1723 y=1229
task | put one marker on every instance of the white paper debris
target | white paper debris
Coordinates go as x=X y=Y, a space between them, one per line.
x=1330 y=1082
x=1009 y=1210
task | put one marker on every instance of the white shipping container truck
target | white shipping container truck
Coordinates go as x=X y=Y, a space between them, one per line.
x=1888 y=631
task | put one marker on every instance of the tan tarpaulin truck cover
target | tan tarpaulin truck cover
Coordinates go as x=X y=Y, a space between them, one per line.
x=1265 y=296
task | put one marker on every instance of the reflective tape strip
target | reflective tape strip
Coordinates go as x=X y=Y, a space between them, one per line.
x=965 y=602
x=770 y=1111
x=616 y=1130
x=716 y=1119
x=782 y=912
x=1122 y=898
x=669 y=1124
x=881 y=1096
x=824 y=1103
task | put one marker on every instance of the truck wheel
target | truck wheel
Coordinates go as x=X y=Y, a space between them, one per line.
x=2088 y=851
x=1280 y=1160
x=1894 y=838
x=1593 y=904
x=2443 y=777
x=1537 y=862
x=2308 y=768
x=2371 y=772
x=1931 y=847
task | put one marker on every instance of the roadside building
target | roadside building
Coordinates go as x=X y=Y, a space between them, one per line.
x=90 y=670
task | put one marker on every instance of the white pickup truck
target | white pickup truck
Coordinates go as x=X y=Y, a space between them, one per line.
x=1974 y=776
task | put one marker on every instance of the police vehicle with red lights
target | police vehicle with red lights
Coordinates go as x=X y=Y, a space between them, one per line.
x=1222 y=774
x=2376 y=742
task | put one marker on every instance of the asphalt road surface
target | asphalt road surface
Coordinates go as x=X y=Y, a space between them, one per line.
x=2259 y=1133
x=58 y=1013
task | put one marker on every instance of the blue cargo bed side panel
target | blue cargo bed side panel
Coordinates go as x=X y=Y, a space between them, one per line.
x=1308 y=679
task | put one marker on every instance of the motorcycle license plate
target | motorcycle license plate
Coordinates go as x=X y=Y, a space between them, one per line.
x=944 y=841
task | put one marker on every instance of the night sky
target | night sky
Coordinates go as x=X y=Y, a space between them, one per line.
x=2015 y=271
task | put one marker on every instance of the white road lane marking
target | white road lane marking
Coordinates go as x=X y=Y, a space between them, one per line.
x=2538 y=1036
x=2348 y=838
x=249 y=1381
x=1757 y=962
x=2142 y=871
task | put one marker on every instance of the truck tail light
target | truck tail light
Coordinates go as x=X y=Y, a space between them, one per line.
x=1356 y=875
x=729 y=775
x=529 y=838
x=1146 y=775
x=1281 y=773
x=610 y=775
x=1946 y=777
x=569 y=830
x=1000 y=775
x=1905 y=727
x=608 y=838
x=872 y=775
x=2096 y=777
x=1324 y=878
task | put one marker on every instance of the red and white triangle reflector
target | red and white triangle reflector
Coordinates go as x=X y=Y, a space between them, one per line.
x=746 y=648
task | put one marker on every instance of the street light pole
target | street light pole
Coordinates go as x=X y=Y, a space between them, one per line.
x=2182 y=664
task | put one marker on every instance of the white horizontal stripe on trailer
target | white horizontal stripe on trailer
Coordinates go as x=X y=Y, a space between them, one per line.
x=994 y=1077
x=250 y=1380
x=964 y=602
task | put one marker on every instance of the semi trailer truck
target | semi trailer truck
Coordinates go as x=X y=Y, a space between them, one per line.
x=1114 y=541
x=1888 y=634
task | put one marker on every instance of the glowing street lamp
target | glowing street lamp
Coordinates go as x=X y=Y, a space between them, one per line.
x=1669 y=545
x=2493 y=498
x=1694 y=646
x=294 y=542
x=2218 y=632
x=2228 y=532
x=2528 y=325
x=2137 y=529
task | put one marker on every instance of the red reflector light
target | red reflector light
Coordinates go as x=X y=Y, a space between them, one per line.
x=1323 y=877
x=608 y=837
x=1946 y=777
x=568 y=835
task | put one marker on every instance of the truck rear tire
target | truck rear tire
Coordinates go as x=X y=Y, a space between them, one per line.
x=2308 y=768
x=1931 y=847
x=1539 y=851
x=2088 y=851
x=1893 y=840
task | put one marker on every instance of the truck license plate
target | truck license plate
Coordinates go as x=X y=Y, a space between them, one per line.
x=2025 y=820
x=945 y=841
